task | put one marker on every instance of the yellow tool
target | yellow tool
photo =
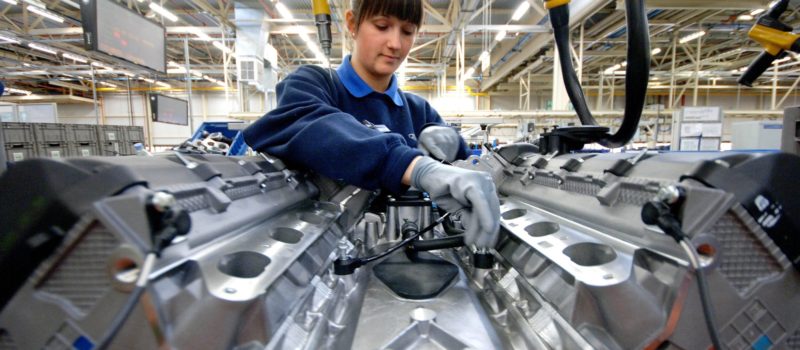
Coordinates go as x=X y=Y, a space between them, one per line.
x=322 y=17
x=775 y=36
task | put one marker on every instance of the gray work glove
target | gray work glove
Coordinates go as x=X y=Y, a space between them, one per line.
x=441 y=142
x=471 y=192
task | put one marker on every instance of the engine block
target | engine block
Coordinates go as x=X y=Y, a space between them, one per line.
x=575 y=267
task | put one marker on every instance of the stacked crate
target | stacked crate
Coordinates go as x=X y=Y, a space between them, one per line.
x=51 y=140
x=111 y=139
x=20 y=141
x=82 y=140
x=132 y=135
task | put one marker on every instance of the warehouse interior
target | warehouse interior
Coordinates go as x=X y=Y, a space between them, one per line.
x=643 y=204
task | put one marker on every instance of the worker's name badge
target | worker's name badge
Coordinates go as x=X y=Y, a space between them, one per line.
x=382 y=128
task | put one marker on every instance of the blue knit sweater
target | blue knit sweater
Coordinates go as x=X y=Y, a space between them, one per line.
x=330 y=123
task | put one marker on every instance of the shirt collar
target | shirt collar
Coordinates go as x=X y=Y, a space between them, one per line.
x=359 y=88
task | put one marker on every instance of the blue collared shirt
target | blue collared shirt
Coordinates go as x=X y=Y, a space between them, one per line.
x=359 y=88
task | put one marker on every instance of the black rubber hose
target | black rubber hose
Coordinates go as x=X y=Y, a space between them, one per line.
x=637 y=71
x=436 y=244
x=559 y=17
x=637 y=74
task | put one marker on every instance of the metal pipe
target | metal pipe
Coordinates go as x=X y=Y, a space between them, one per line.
x=188 y=82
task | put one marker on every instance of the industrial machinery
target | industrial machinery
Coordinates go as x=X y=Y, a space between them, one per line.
x=597 y=251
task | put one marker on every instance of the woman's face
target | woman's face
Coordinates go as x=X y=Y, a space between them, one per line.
x=382 y=43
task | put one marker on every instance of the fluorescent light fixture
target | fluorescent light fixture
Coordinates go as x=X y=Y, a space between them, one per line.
x=18 y=91
x=46 y=14
x=128 y=74
x=483 y=56
x=284 y=11
x=655 y=51
x=11 y=2
x=8 y=39
x=654 y=78
x=500 y=36
x=100 y=65
x=469 y=72
x=221 y=83
x=151 y=81
x=43 y=48
x=692 y=36
x=743 y=69
x=163 y=84
x=200 y=34
x=196 y=73
x=71 y=3
x=521 y=10
x=785 y=59
x=173 y=63
x=612 y=69
x=107 y=84
x=222 y=47
x=624 y=64
x=163 y=12
x=756 y=12
x=745 y=17
x=304 y=36
x=75 y=58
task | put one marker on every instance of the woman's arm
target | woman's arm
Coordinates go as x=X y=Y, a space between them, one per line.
x=308 y=130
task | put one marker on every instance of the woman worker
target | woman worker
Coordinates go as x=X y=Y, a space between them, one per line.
x=356 y=125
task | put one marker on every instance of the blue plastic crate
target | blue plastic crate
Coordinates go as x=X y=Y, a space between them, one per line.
x=238 y=148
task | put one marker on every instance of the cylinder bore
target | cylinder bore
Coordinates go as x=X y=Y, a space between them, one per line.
x=286 y=235
x=514 y=213
x=243 y=264
x=541 y=229
x=590 y=254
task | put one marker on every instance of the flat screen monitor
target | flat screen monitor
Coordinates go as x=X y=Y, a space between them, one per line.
x=113 y=29
x=169 y=110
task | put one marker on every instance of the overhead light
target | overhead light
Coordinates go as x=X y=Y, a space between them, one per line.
x=785 y=59
x=151 y=81
x=196 y=73
x=654 y=78
x=756 y=12
x=500 y=36
x=173 y=63
x=221 y=83
x=484 y=55
x=284 y=11
x=128 y=74
x=100 y=65
x=743 y=69
x=107 y=84
x=655 y=51
x=200 y=34
x=624 y=64
x=71 y=3
x=46 y=14
x=163 y=84
x=745 y=17
x=11 y=2
x=221 y=46
x=692 y=36
x=163 y=12
x=469 y=72
x=43 y=48
x=18 y=91
x=8 y=39
x=521 y=10
x=612 y=69
x=75 y=58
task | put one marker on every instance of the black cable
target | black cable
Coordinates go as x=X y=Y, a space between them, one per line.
x=705 y=295
x=436 y=244
x=408 y=240
x=120 y=318
x=130 y=304
x=659 y=213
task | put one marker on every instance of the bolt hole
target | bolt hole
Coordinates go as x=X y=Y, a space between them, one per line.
x=126 y=271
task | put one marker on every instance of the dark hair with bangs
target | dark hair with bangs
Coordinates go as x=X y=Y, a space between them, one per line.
x=405 y=10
